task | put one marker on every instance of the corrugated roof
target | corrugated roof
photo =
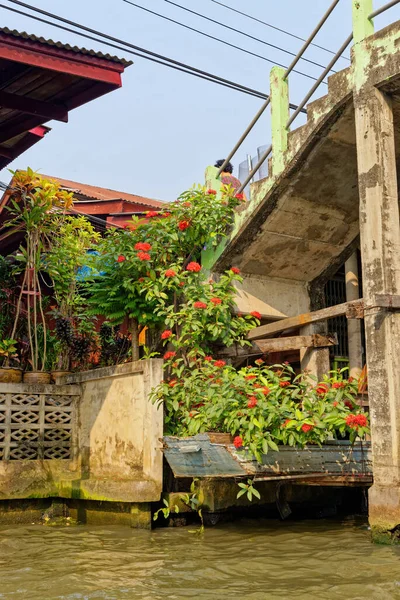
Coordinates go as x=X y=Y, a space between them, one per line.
x=103 y=194
x=48 y=42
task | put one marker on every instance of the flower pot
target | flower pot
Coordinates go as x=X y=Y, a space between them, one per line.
x=56 y=374
x=36 y=377
x=10 y=375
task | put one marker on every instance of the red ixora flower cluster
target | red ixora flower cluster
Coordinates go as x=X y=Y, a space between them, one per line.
x=182 y=225
x=250 y=376
x=256 y=314
x=211 y=192
x=121 y=258
x=151 y=213
x=284 y=384
x=194 y=267
x=216 y=301
x=322 y=389
x=166 y=334
x=145 y=246
x=355 y=421
x=235 y=270
x=238 y=442
x=240 y=196
x=187 y=204
x=306 y=427
x=208 y=358
x=169 y=273
x=219 y=363
x=338 y=384
x=252 y=403
x=143 y=256
x=169 y=355
x=200 y=305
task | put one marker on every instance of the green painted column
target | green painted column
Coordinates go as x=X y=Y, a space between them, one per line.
x=362 y=25
x=279 y=92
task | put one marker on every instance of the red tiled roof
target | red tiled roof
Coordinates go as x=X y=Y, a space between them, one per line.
x=83 y=192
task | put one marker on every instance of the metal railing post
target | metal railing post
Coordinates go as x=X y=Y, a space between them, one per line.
x=363 y=25
x=279 y=94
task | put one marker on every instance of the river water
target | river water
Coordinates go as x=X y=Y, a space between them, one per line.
x=250 y=559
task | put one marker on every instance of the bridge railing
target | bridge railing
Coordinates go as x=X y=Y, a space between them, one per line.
x=278 y=100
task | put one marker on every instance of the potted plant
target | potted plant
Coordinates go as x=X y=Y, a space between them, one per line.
x=34 y=204
x=8 y=352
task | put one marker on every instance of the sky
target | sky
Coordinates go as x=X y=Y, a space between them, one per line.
x=156 y=135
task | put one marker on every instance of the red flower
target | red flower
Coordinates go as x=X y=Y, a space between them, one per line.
x=259 y=362
x=349 y=404
x=151 y=213
x=208 y=358
x=182 y=225
x=266 y=391
x=219 y=363
x=141 y=279
x=286 y=423
x=143 y=246
x=169 y=355
x=169 y=273
x=216 y=301
x=355 y=421
x=191 y=414
x=284 y=384
x=256 y=314
x=240 y=196
x=200 y=305
x=173 y=382
x=143 y=256
x=252 y=402
x=211 y=192
x=194 y=267
x=238 y=442
x=121 y=258
x=306 y=427
x=335 y=404
x=181 y=284
x=166 y=214
x=166 y=334
x=322 y=389
x=235 y=270
x=337 y=385
x=250 y=376
x=186 y=204
x=351 y=379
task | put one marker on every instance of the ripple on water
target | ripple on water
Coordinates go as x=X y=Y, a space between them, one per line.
x=256 y=560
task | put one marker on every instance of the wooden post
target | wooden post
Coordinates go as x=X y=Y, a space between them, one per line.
x=380 y=251
x=353 y=325
x=279 y=92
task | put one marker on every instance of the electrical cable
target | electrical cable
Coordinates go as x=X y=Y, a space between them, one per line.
x=297 y=37
x=184 y=68
x=252 y=37
x=212 y=37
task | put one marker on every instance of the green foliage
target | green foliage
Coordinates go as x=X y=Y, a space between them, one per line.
x=262 y=406
x=248 y=489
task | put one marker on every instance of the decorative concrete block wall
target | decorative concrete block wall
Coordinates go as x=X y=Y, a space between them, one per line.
x=96 y=436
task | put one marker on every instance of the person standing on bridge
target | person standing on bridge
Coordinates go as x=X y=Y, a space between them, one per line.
x=227 y=178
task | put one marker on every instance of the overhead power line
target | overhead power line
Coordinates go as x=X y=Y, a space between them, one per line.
x=293 y=35
x=243 y=33
x=162 y=60
x=213 y=37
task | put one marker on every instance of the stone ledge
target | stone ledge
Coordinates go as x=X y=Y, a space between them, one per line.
x=138 y=366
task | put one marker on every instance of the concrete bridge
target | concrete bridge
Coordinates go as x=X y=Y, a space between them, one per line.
x=332 y=187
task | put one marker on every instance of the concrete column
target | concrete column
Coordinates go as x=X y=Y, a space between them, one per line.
x=380 y=249
x=279 y=93
x=353 y=325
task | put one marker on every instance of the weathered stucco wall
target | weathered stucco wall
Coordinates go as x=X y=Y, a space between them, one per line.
x=115 y=437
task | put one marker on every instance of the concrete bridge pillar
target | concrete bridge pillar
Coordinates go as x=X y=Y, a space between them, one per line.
x=353 y=325
x=380 y=250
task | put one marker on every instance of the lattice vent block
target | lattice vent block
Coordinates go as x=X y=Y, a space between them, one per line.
x=56 y=417
x=25 y=399
x=25 y=435
x=23 y=453
x=59 y=400
x=24 y=417
x=57 y=435
x=57 y=453
x=2 y=416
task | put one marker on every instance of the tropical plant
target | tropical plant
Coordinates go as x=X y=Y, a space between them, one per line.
x=8 y=349
x=136 y=266
x=33 y=204
x=260 y=406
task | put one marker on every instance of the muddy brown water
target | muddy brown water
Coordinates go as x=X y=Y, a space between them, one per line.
x=251 y=559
